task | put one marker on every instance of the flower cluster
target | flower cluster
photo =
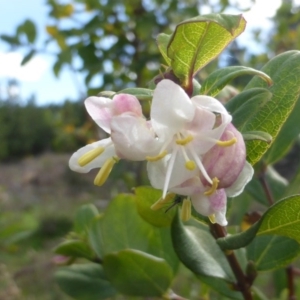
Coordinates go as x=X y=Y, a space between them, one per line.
x=191 y=147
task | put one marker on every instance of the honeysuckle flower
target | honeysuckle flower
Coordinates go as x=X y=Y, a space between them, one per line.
x=233 y=172
x=102 y=154
x=187 y=128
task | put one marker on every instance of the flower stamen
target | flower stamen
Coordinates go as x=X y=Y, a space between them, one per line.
x=157 y=157
x=212 y=218
x=161 y=202
x=227 y=143
x=185 y=141
x=213 y=188
x=86 y=158
x=185 y=214
x=105 y=171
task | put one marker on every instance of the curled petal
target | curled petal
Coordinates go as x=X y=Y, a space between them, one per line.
x=238 y=186
x=108 y=152
x=212 y=205
x=133 y=138
x=102 y=110
x=171 y=108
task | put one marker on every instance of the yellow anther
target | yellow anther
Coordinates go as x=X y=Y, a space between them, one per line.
x=212 y=218
x=105 y=171
x=213 y=187
x=162 y=201
x=190 y=165
x=90 y=156
x=184 y=141
x=157 y=157
x=185 y=210
x=227 y=143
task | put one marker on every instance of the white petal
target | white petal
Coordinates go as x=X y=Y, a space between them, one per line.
x=201 y=204
x=97 y=162
x=157 y=171
x=100 y=109
x=189 y=187
x=238 y=186
x=133 y=138
x=171 y=108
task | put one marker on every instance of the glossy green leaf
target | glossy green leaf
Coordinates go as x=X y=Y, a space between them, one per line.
x=140 y=93
x=197 y=41
x=136 y=273
x=121 y=227
x=145 y=197
x=75 y=248
x=84 y=282
x=162 y=43
x=284 y=70
x=249 y=109
x=281 y=219
x=196 y=248
x=218 y=79
x=285 y=138
x=260 y=95
x=84 y=217
x=270 y=252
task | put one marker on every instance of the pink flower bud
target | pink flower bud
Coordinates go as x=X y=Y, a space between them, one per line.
x=225 y=162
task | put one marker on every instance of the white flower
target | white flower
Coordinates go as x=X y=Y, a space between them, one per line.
x=187 y=129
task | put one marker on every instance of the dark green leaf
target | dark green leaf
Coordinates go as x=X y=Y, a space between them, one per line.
x=121 y=228
x=284 y=70
x=272 y=252
x=84 y=282
x=27 y=57
x=285 y=138
x=196 y=248
x=218 y=79
x=84 y=217
x=75 y=248
x=136 y=273
x=30 y=30
x=199 y=40
x=12 y=40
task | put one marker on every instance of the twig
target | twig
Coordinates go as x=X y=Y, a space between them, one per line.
x=290 y=283
x=243 y=283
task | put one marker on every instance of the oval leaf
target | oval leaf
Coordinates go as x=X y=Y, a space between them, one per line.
x=199 y=40
x=136 y=273
x=75 y=248
x=272 y=252
x=84 y=217
x=84 y=282
x=284 y=71
x=218 y=79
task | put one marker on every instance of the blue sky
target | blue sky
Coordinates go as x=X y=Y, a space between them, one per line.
x=37 y=77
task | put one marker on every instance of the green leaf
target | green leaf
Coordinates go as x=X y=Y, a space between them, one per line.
x=285 y=138
x=197 y=41
x=258 y=95
x=284 y=70
x=136 y=273
x=29 y=29
x=140 y=93
x=27 y=57
x=121 y=227
x=257 y=135
x=196 y=248
x=13 y=40
x=145 y=197
x=85 y=282
x=75 y=248
x=281 y=219
x=218 y=79
x=162 y=43
x=84 y=217
x=272 y=252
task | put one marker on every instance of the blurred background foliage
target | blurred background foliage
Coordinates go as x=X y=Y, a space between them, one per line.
x=112 y=44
